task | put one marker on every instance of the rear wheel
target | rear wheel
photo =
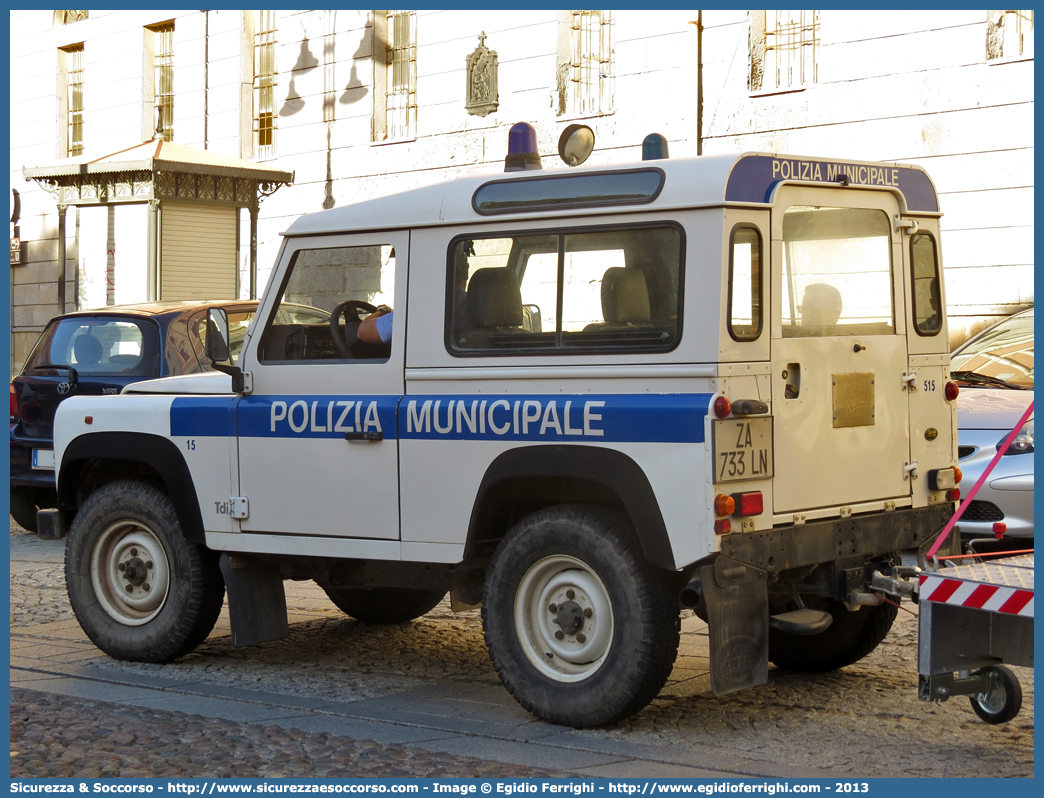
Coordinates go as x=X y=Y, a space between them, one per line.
x=581 y=629
x=23 y=508
x=139 y=589
x=849 y=638
x=385 y=604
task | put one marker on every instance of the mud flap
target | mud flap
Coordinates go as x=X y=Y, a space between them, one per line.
x=736 y=596
x=256 y=601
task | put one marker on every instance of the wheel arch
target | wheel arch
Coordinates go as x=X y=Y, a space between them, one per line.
x=96 y=458
x=530 y=477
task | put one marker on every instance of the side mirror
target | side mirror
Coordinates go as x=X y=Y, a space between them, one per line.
x=216 y=345
x=531 y=318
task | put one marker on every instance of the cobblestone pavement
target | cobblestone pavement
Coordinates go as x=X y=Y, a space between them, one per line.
x=56 y=736
x=864 y=720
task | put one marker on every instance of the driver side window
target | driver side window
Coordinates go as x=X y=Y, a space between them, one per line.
x=325 y=294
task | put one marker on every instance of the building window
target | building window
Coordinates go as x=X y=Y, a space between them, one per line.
x=402 y=74
x=68 y=17
x=71 y=70
x=589 y=76
x=1009 y=34
x=163 y=77
x=265 y=82
x=784 y=50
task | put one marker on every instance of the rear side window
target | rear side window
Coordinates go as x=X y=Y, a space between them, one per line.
x=745 y=284
x=99 y=347
x=927 y=302
x=616 y=289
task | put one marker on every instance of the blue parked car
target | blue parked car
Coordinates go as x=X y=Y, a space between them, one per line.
x=95 y=352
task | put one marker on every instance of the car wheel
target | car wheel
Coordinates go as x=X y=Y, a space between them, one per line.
x=139 y=589
x=581 y=629
x=849 y=638
x=384 y=604
x=1002 y=699
x=23 y=508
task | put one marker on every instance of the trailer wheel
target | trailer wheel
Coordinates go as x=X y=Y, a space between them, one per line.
x=139 y=589
x=384 y=604
x=581 y=629
x=849 y=638
x=1003 y=697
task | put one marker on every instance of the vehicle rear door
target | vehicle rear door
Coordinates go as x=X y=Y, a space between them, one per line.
x=838 y=350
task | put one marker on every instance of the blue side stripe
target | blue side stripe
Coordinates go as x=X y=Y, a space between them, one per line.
x=561 y=418
x=297 y=416
x=203 y=416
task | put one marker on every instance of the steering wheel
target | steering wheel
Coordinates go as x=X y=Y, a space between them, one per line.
x=341 y=341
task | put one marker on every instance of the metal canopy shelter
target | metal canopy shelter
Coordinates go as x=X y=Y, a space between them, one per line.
x=154 y=171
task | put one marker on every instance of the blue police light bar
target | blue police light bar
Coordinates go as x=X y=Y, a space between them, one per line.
x=522 y=149
x=654 y=148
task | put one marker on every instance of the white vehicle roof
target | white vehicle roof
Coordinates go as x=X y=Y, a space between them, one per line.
x=736 y=179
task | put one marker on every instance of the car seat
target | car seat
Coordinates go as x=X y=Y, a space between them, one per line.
x=494 y=306
x=87 y=350
x=625 y=301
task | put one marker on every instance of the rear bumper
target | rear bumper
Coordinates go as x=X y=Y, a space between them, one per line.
x=870 y=535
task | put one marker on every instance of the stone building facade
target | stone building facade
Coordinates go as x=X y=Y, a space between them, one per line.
x=364 y=103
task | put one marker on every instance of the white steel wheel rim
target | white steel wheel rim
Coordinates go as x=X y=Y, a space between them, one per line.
x=558 y=588
x=130 y=573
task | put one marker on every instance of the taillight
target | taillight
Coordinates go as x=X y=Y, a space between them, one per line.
x=953 y=495
x=722 y=526
x=749 y=503
x=952 y=390
x=14 y=402
x=724 y=505
x=958 y=475
x=722 y=407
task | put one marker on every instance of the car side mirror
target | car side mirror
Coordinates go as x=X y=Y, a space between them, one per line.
x=216 y=345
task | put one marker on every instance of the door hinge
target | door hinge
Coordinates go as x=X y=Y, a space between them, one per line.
x=910 y=470
x=240 y=506
x=909 y=381
x=248 y=382
x=910 y=226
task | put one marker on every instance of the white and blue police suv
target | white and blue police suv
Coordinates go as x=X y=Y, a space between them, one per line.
x=603 y=393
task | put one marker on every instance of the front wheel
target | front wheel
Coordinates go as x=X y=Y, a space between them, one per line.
x=385 y=604
x=581 y=629
x=849 y=638
x=139 y=589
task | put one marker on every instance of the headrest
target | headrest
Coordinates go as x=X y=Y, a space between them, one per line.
x=88 y=350
x=494 y=299
x=625 y=296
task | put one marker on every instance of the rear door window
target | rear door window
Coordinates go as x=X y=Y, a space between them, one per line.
x=99 y=347
x=837 y=272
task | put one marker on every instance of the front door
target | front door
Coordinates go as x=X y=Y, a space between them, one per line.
x=838 y=350
x=318 y=451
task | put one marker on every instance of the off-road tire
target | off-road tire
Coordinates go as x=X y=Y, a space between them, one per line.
x=585 y=556
x=385 y=604
x=136 y=516
x=849 y=638
x=23 y=508
x=1003 y=702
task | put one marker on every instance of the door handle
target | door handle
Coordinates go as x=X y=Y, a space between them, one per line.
x=365 y=437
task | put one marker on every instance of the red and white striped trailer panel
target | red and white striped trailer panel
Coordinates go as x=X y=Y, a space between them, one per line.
x=1004 y=586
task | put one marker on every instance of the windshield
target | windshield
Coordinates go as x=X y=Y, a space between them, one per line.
x=97 y=347
x=1002 y=356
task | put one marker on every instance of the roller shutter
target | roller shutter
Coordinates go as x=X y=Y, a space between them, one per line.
x=198 y=258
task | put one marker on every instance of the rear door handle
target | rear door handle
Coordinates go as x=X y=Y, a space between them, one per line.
x=365 y=437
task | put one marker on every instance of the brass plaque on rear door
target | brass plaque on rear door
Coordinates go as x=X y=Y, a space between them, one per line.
x=853 y=400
